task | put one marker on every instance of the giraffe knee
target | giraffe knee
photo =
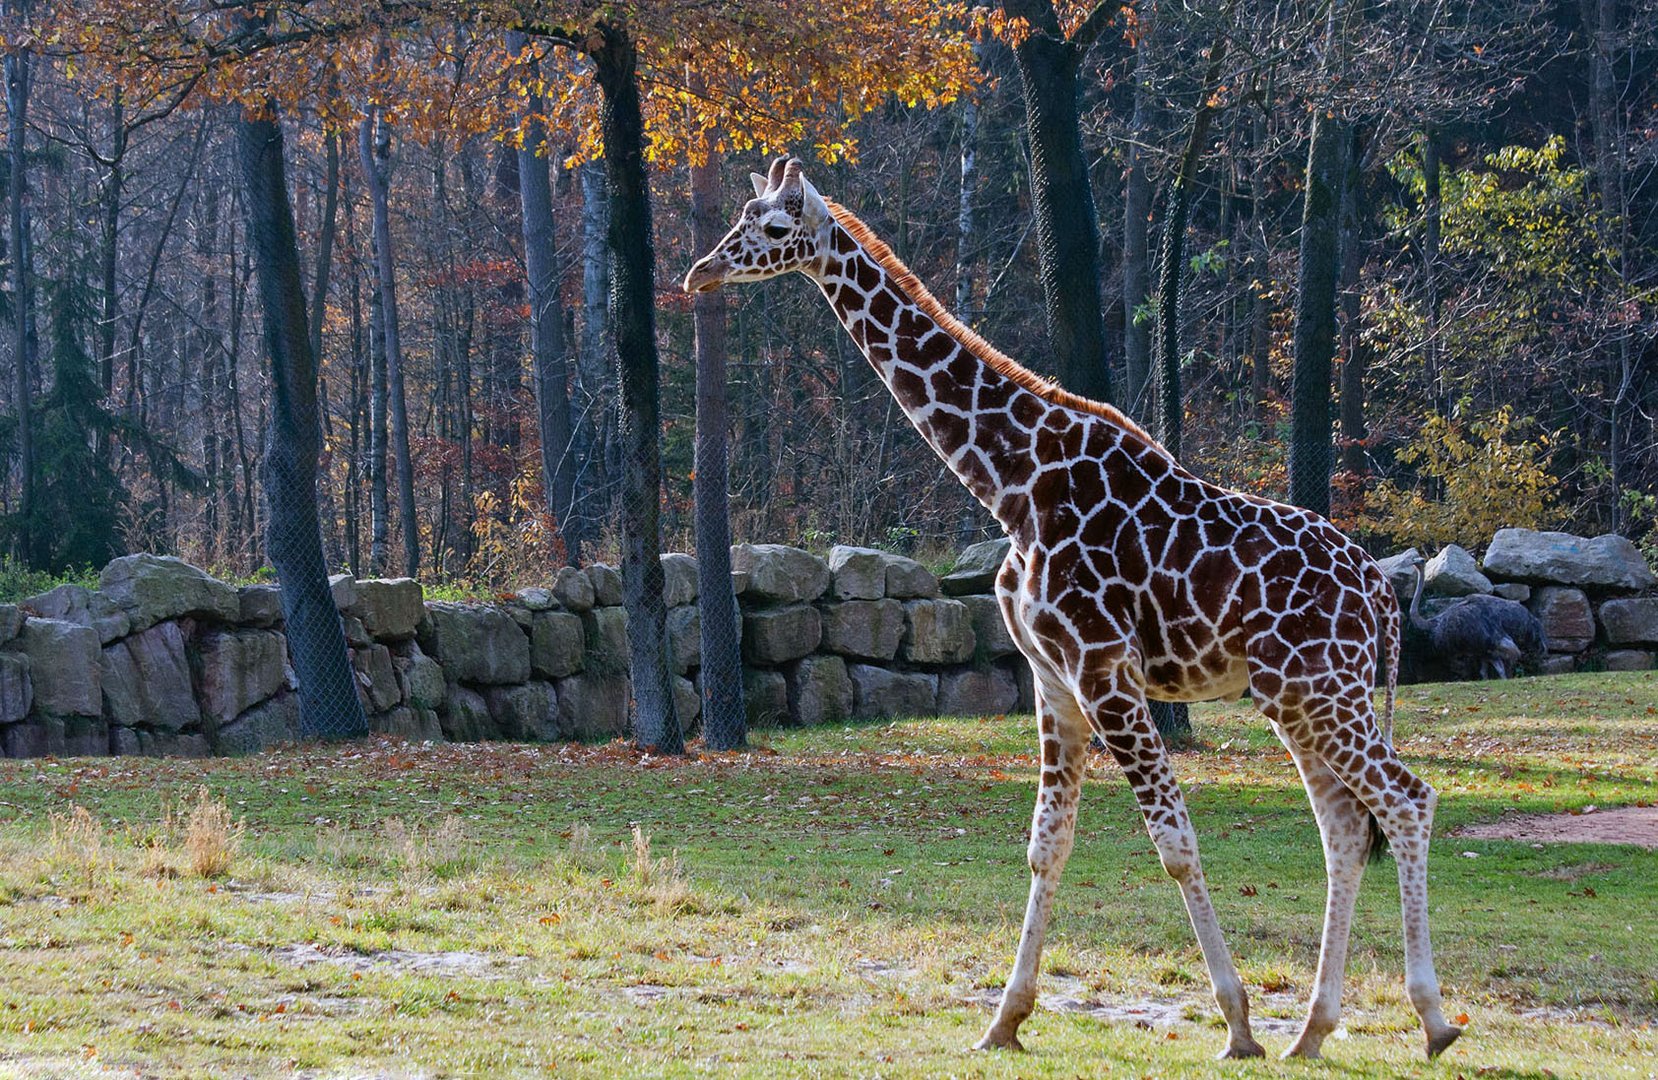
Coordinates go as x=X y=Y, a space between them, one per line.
x=1046 y=855
x=1180 y=865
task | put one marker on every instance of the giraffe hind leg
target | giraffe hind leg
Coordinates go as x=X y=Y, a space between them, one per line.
x=1342 y=732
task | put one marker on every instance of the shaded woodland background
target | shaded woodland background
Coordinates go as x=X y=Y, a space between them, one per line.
x=1497 y=289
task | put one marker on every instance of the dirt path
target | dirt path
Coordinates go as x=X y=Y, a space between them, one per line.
x=1636 y=825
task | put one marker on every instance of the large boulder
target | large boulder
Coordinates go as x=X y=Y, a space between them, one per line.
x=237 y=669
x=606 y=631
x=859 y=573
x=11 y=622
x=391 y=608
x=573 y=588
x=937 y=632
x=778 y=635
x=881 y=692
x=990 y=692
x=260 y=605
x=475 y=644
x=17 y=694
x=990 y=633
x=526 y=712
x=65 y=667
x=909 y=580
x=377 y=680
x=343 y=588
x=73 y=603
x=1568 y=622
x=1512 y=590
x=593 y=705
x=1401 y=571
x=1628 y=660
x=864 y=629
x=421 y=679
x=687 y=703
x=408 y=722
x=1605 y=562
x=465 y=716
x=685 y=638
x=679 y=579
x=976 y=568
x=1453 y=572
x=261 y=727
x=1630 y=622
x=557 y=644
x=766 y=697
x=154 y=588
x=819 y=690
x=607 y=584
x=776 y=573
x=146 y=680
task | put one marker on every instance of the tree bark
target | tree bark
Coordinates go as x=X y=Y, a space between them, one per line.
x=549 y=354
x=1430 y=264
x=374 y=145
x=724 y=717
x=615 y=58
x=329 y=705
x=1312 y=453
x=1354 y=351
x=1137 y=195
x=1067 y=231
x=966 y=241
x=22 y=298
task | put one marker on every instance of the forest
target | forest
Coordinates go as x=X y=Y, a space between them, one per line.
x=1407 y=250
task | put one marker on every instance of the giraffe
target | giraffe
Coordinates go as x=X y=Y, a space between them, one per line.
x=1128 y=578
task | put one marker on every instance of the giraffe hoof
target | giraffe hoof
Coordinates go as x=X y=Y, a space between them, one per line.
x=1438 y=1043
x=994 y=1040
x=1304 y=1053
x=1250 y=1049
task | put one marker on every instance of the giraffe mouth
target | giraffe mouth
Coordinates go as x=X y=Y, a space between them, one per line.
x=706 y=276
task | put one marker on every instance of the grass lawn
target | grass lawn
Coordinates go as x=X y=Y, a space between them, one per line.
x=839 y=902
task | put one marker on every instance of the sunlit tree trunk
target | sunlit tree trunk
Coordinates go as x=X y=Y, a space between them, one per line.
x=374 y=146
x=22 y=297
x=615 y=58
x=724 y=718
x=316 y=640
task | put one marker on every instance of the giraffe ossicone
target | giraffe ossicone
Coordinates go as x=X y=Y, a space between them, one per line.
x=1128 y=578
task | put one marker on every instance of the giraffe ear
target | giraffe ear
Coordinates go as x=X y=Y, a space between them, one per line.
x=813 y=210
x=759 y=183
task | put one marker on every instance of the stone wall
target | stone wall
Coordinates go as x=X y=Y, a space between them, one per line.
x=1587 y=593
x=163 y=659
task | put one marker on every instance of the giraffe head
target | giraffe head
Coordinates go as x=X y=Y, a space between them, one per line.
x=784 y=227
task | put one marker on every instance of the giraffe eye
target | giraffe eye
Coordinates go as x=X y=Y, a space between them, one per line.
x=776 y=232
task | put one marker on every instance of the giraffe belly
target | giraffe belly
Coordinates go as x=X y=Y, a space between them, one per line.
x=1215 y=675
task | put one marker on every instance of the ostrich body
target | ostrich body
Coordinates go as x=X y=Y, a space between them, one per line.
x=1472 y=633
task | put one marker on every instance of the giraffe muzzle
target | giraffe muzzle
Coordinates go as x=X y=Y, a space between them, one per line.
x=706 y=275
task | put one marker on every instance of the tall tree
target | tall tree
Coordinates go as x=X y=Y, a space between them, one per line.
x=374 y=147
x=22 y=258
x=549 y=353
x=724 y=717
x=1062 y=198
x=316 y=641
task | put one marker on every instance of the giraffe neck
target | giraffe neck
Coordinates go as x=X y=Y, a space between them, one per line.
x=991 y=422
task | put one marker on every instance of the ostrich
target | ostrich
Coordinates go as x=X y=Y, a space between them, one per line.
x=1468 y=633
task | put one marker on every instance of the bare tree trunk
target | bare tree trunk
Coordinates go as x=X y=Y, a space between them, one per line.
x=1354 y=351
x=109 y=247
x=1430 y=264
x=593 y=367
x=1137 y=195
x=22 y=298
x=1600 y=17
x=548 y=350
x=1312 y=453
x=1062 y=201
x=966 y=241
x=615 y=58
x=316 y=640
x=1260 y=270
x=724 y=717
x=374 y=145
x=379 y=545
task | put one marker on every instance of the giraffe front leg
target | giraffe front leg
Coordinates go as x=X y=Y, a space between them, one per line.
x=1120 y=710
x=1053 y=829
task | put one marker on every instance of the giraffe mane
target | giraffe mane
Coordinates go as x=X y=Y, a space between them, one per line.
x=969 y=338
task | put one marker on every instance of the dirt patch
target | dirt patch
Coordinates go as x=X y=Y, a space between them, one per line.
x=401 y=960
x=1636 y=825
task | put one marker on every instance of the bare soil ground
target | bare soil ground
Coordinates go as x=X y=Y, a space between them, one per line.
x=1637 y=825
